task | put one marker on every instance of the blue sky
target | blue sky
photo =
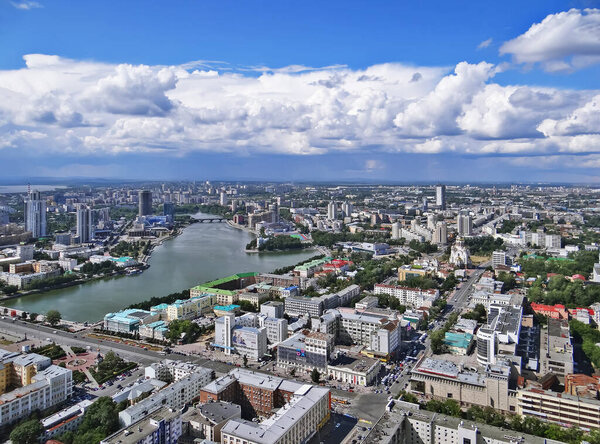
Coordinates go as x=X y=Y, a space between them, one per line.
x=460 y=91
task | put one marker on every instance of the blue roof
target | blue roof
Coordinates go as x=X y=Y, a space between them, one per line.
x=230 y=307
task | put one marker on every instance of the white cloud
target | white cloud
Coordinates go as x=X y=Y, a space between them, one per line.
x=485 y=44
x=26 y=5
x=561 y=42
x=60 y=105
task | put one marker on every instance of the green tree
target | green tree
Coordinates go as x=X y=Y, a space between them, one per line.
x=10 y=289
x=26 y=432
x=33 y=316
x=53 y=317
x=315 y=376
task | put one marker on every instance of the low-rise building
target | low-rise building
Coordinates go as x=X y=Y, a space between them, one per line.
x=161 y=426
x=64 y=420
x=354 y=369
x=206 y=420
x=128 y=321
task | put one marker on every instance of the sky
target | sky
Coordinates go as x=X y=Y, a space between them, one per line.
x=464 y=91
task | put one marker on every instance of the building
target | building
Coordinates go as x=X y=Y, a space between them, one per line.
x=464 y=224
x=305 y=351
x=406 y=271
x=494 y=386
x=85 y=226
x=298 y=306
x=354 y=369
x=556 y=354
x=169 y=370
x=35 y=214
x=561 y=408
x=440 y=196
x=246 y=340
x=499 y=258
x=36 y=385
x=332 y=210
x=206 y=420
x=304 y=410
x=174 y=396
x=162 y=426
x=366 y=303
x=440 y=233
x=458 y=343
x=557 y=311
x=500 y=336
x=272 y=309
x=403 y=423
x=413 y=297
x=127 y=321
x=459 y=254
x=277 y=329
x=64 y=420
x=144 y=203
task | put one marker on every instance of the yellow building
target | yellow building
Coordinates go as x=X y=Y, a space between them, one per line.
x=408 y=272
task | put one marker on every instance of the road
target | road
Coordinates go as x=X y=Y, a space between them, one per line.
x=127 y=352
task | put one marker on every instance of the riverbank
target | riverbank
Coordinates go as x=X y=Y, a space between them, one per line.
x=232 y=224
x=199 y=253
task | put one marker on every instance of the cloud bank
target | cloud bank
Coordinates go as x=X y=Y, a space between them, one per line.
x=59 y=105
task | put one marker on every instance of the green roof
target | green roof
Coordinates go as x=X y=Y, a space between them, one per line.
x=460 y=340
x=210 y=287
x=313 y=263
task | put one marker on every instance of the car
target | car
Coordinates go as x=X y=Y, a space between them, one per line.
x=337 y=425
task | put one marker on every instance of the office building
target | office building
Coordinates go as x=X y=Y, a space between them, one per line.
x=556 y=348
x=128 y=321
x=499 y=258
x=85 y=227
x=245 y=340
x=500 y=336
x=440 y=196
x=35 y=214
x=277 y=329
x=305 y=351
x=169 y=370
x=272 y=309
x=144 y=203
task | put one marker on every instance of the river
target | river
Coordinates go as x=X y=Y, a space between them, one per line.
x=204 y=251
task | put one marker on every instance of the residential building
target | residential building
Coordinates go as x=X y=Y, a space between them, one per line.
x=206 y=420
x=35 y=214
x=440 y=196
x=84 y=224
x=413 y=297
x=64 y=420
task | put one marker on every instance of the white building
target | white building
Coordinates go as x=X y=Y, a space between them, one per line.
x=35 y=214
x=413 y=297
x=161 y=426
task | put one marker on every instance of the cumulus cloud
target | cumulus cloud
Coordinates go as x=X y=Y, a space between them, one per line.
x=561 y=42
x=59 y=105
x=26 y=5
x=484 y=44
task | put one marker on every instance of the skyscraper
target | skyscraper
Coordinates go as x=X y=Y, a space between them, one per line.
x=145 y=202
x=332 y=211
x=85 y=228
x=440 y=234
x=35 y=214
x=464 y=224
x=440 y=196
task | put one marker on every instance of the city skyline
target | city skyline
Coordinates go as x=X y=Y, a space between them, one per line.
x=502 y=93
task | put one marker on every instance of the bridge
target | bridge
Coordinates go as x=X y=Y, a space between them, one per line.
x=212 y=219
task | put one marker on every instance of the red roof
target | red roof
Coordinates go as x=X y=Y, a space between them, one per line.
x=579 y=276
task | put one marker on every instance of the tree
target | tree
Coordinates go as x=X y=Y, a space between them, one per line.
x=10 y=289
x=315 y=376
x=33 y=317
x=26 y=432
x=53 y=317
x=245 y=361
x=101 y=417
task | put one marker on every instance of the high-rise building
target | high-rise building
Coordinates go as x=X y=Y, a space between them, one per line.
x=35 y=214
x=169 y=209
x=395 y=230
x=145 y=202
x=464 y=224
x=332 y=211
x=85 y=226
x=440 y=196
x=347 y=209
x=440 y=234
x=223 y=198
x=425 y=204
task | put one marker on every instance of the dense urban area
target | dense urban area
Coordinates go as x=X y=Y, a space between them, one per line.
x=419 y=314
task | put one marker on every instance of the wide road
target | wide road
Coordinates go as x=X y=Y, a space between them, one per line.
x=127 y=352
